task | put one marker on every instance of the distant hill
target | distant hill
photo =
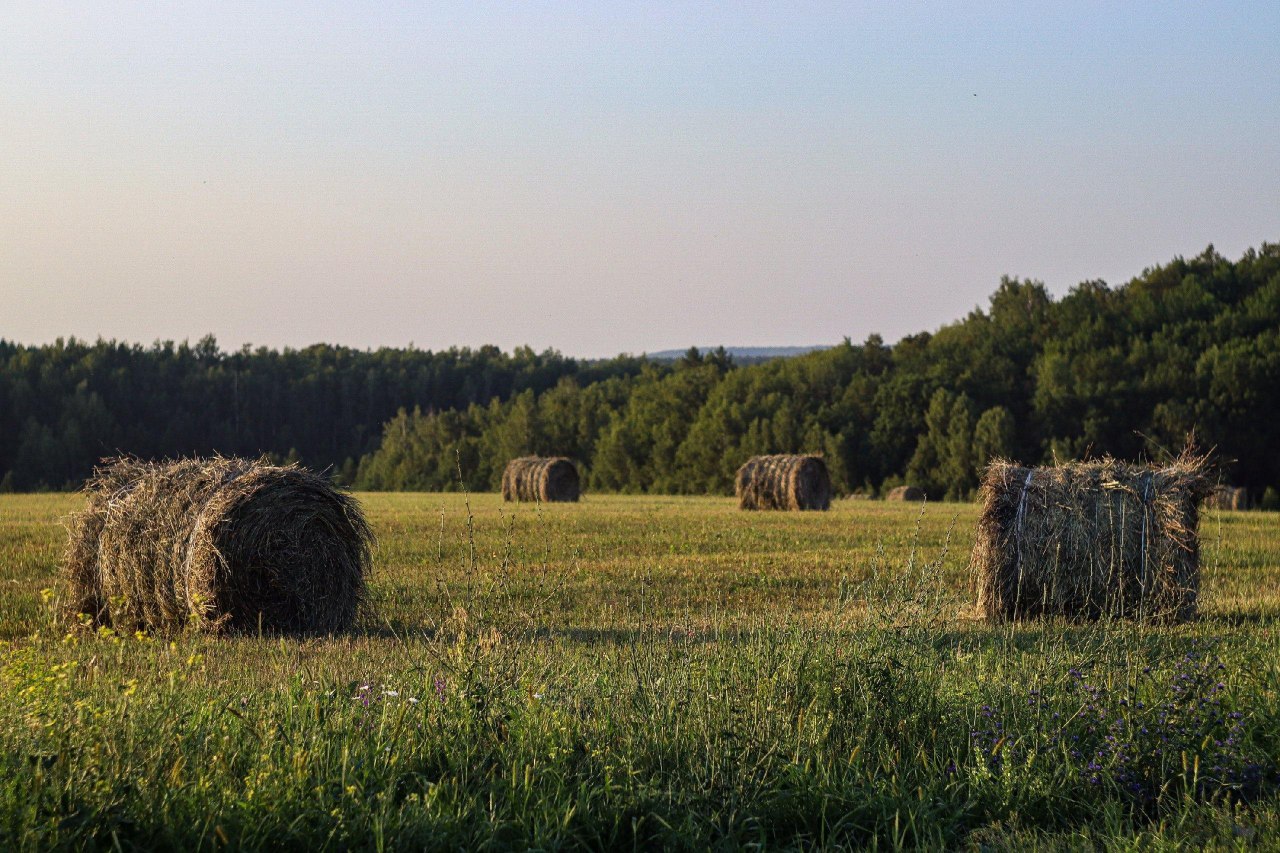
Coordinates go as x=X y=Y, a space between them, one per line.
x=742 y=355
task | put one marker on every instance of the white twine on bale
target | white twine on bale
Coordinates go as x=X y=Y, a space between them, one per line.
x=1142 y=576
x=1022 y=514
x=1017 y=535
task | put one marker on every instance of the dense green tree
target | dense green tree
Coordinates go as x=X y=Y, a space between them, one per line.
x=943 y=464
x=994 y=436
x=65 y=405
x=637 y=450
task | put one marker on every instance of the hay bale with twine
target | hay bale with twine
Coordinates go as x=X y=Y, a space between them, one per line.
x=540 y=478
x=905 y=493
x=789 y=482
x=1227 y=497
x=223 y=545
x=1090 y=540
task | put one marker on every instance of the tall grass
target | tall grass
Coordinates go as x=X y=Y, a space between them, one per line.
x=641 y=673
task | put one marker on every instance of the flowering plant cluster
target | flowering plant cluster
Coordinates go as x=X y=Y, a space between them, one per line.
x=1152 y=737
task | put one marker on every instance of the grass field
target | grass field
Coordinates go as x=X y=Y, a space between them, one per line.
x=644 y=672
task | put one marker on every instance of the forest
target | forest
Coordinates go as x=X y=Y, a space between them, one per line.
x=1188 y=347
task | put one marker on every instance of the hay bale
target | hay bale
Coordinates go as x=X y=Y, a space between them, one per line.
x=905 y=493
x=783 y=482
x=220 y=544
x=1089 y=540
x=540 y=478
x=1227 y=497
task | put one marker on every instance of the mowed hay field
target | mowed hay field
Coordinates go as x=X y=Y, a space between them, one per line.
x=645 y=672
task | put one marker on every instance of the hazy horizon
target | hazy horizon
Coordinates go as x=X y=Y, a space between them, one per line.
x=614 y=179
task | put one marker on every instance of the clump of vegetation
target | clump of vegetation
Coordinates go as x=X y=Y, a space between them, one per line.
x=1149 y=737
x=1270 y=499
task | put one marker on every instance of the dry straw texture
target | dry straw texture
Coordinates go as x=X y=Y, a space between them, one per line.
x=1090 y=540
x=219 y=544
x=783 y=482
x=1227 y=497
x=540 y=478
x=905 y=493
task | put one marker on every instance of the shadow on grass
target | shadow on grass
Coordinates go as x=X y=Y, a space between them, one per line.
x=969 y=638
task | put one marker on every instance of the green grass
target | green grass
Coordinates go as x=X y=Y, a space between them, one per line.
x=641 y=672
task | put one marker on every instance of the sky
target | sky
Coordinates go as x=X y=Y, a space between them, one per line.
x=611 y=177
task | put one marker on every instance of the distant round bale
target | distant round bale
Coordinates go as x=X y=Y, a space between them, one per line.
x=905 y=493
x=1227 y=497
x=783 y=482
x=545 y=479
x=223 y=545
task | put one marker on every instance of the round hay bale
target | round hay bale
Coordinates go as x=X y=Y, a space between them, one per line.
x=789 y=482
x=1227 y=497
x=1090 y=540
x=540 y=478
x=225 y=545
x=905 y=493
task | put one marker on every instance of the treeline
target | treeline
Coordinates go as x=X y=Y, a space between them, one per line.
x=1131 y=370
x=63 y=406
x=1191 y=346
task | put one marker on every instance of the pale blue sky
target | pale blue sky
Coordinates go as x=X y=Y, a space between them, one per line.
x=612 y=176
